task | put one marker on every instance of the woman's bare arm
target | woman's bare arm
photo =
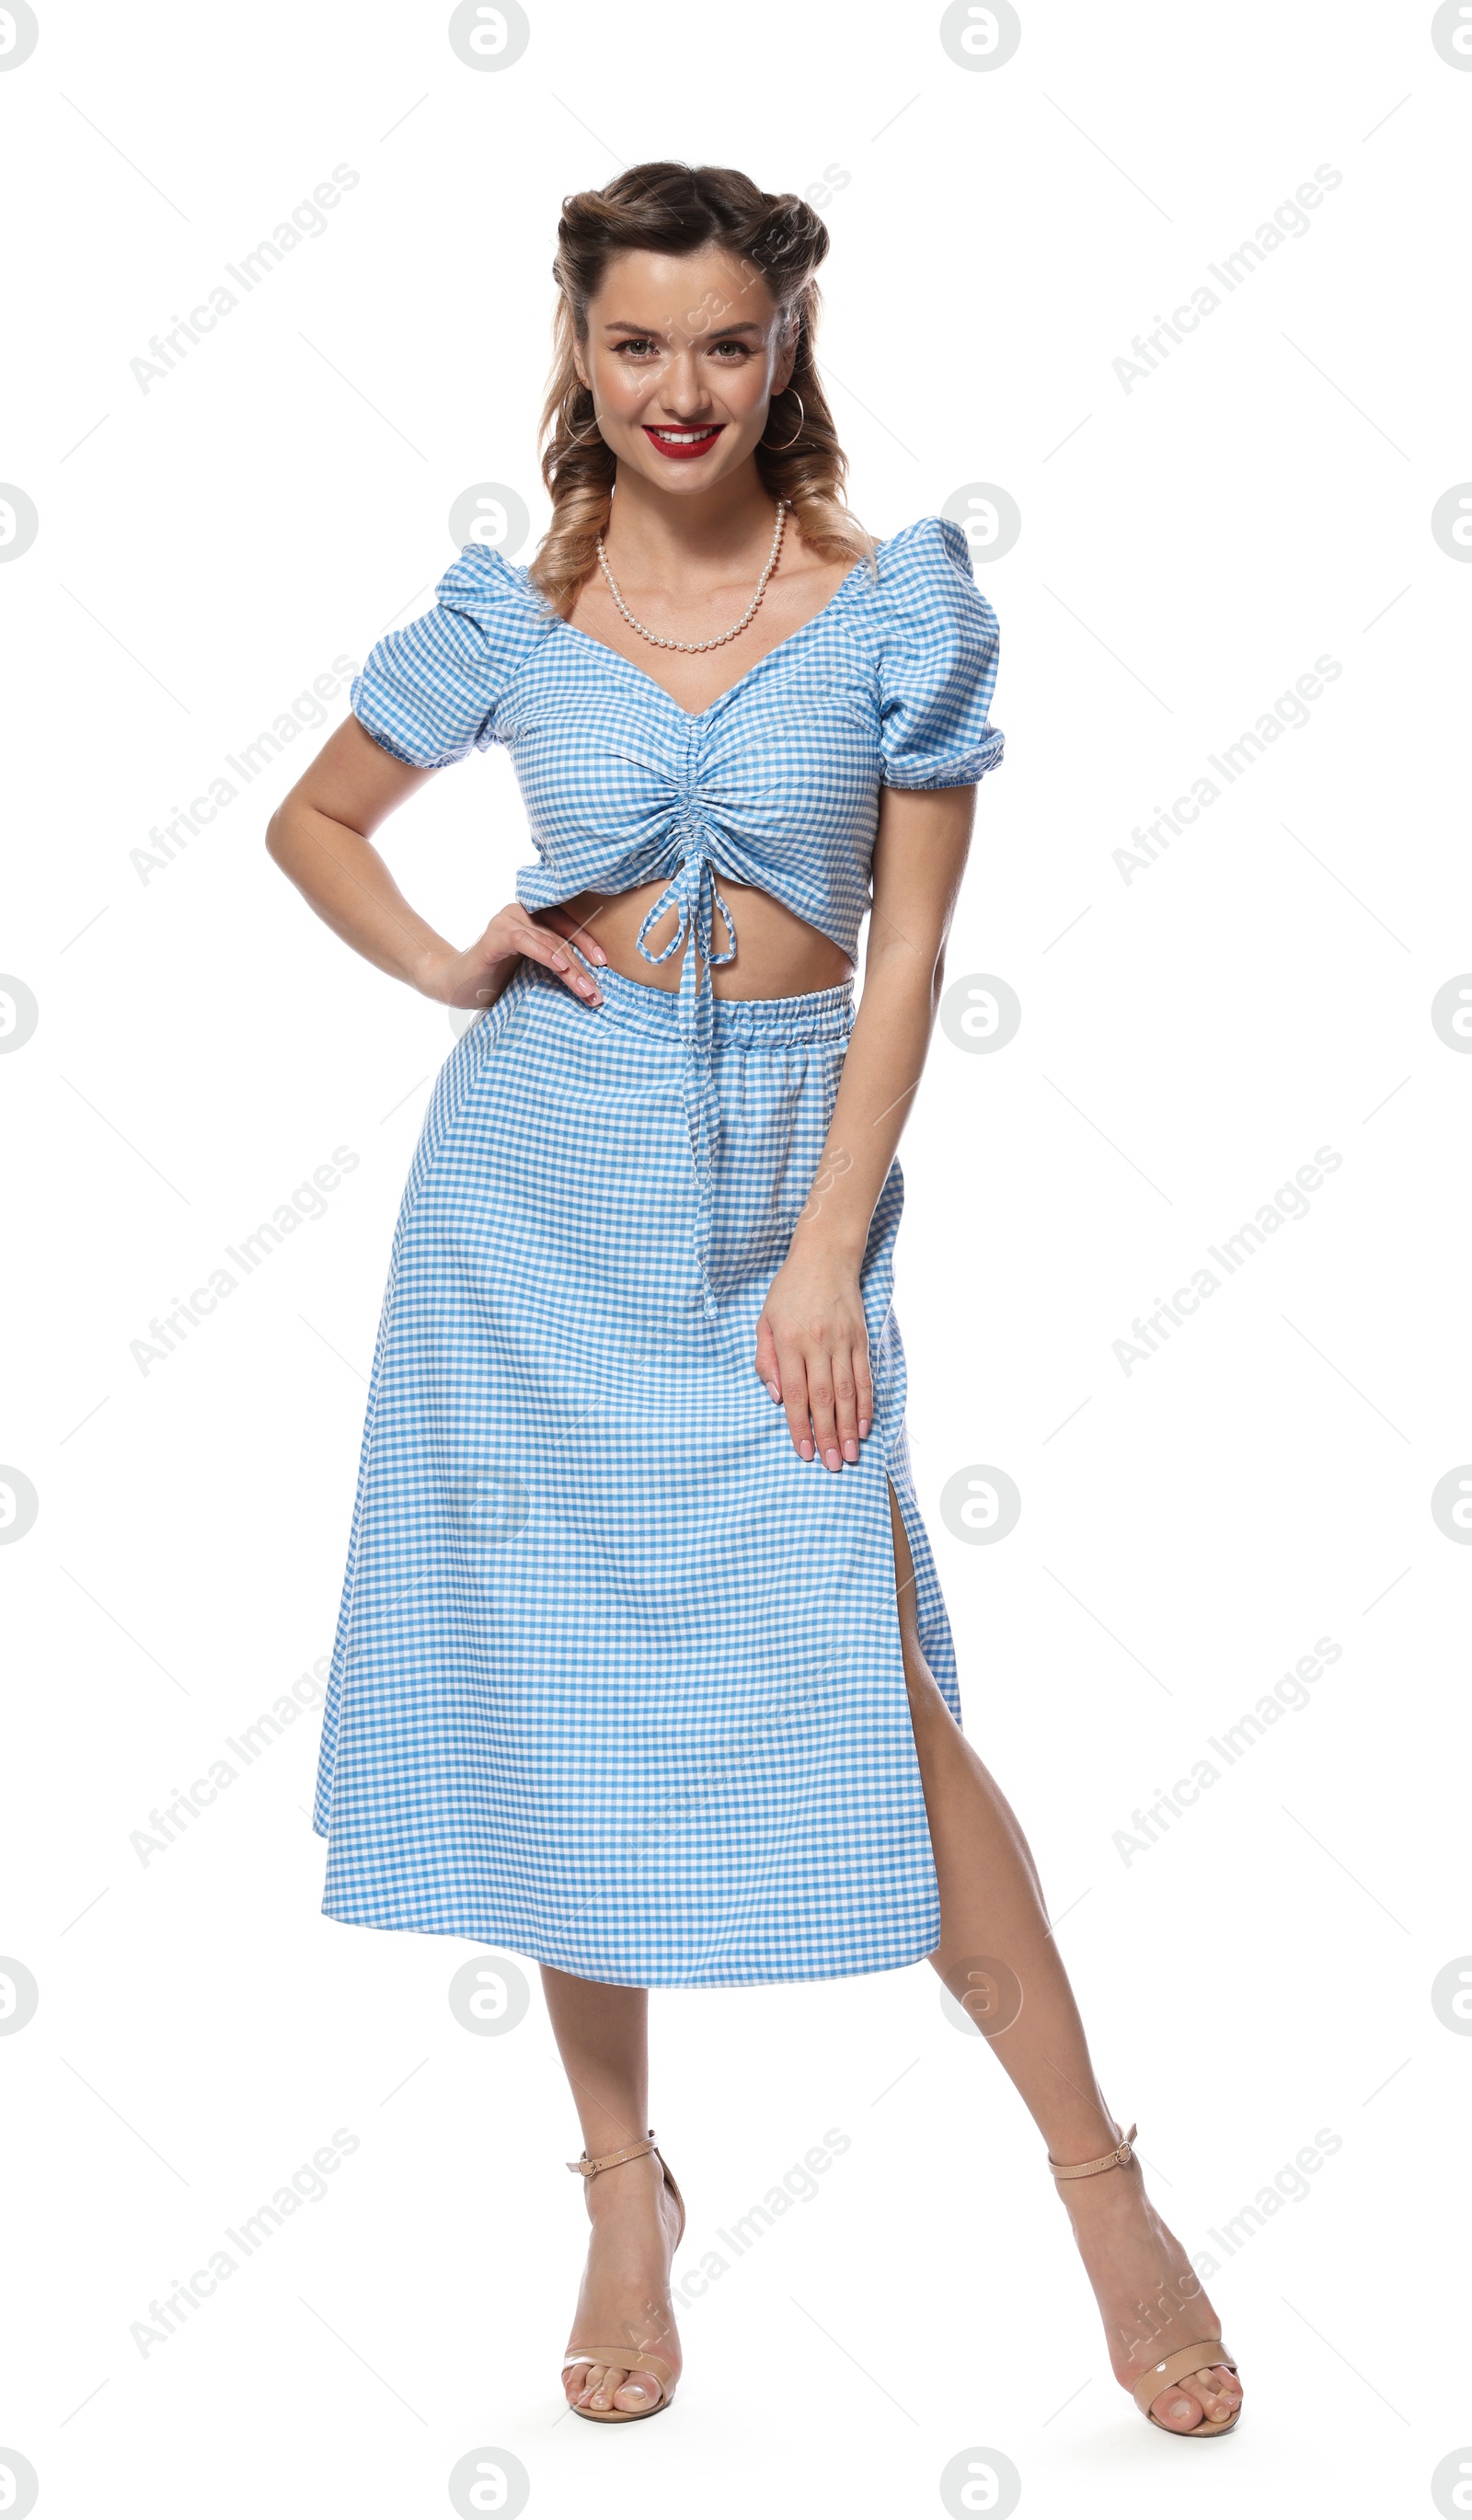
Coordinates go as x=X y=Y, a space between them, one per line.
x=812 y=1341
x=319 y=835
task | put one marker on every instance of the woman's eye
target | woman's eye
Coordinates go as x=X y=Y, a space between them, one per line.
x=640 y=346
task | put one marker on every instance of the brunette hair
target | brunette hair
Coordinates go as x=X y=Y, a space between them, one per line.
x=666 y=207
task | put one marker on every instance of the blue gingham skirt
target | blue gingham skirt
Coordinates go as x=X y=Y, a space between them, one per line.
x=617 y=1680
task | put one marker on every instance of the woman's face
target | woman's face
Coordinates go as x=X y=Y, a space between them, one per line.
x=683 y=355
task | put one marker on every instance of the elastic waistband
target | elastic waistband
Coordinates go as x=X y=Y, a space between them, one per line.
x=820 y=1014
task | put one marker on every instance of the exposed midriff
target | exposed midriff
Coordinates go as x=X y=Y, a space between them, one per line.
x=778 y=954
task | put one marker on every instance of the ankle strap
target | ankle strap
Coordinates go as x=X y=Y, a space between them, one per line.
x=1114 y=2160
x=590 y=2167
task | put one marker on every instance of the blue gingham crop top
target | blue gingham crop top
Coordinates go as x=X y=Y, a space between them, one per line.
x=775 y=784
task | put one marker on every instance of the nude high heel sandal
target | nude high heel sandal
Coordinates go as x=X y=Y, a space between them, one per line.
x=1186 y=2358
x=625 y=2358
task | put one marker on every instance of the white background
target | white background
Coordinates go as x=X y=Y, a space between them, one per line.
x=1189 y=1038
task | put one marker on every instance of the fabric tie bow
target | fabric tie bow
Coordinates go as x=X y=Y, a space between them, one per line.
x=693 y=894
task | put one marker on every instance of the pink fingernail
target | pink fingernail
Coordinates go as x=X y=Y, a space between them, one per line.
x=851 y=1448
x=864 y=1426
x=772 y=1388
x=805 y=1449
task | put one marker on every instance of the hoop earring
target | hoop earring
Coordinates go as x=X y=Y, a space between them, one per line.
x=797 y=433
x=578 y=436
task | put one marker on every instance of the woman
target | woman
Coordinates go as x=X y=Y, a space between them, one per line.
x=642 y=1666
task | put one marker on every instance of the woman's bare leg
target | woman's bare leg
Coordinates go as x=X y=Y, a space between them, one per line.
x=993 y=1909
x=602 y=2034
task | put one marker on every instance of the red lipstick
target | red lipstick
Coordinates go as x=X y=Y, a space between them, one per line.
x=686 y=443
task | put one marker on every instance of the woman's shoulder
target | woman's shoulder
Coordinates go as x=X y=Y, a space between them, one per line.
x=484 y=583
x=429 y=690
x=926 y=592
x=939 y=657
x=930 y=554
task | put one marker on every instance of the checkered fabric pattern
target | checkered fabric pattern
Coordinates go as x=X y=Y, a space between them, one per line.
x=776 y=784
x=617 y=1680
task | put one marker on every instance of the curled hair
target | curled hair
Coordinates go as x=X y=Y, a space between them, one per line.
x=666 y=207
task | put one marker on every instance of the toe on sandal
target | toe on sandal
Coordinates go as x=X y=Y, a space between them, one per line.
x=1187 y=2359
x=623 y=2358
x=626 y=2358
x=1180 y=2366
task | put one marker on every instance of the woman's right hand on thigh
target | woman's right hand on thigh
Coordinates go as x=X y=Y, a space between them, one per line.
x=477 y=978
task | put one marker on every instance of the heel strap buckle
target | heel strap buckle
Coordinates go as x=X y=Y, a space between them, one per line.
x=1114 y=2160
x=591 y=2166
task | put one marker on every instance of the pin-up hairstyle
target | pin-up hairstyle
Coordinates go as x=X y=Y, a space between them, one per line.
x=666 y=207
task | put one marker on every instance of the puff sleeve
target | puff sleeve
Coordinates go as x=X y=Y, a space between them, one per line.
x=427 y=694
x=940 y=662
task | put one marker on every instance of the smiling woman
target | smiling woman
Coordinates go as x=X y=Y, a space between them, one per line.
x=642 y=1665
x=697 y=360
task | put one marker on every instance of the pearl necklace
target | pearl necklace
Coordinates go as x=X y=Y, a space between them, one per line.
x=698 y=646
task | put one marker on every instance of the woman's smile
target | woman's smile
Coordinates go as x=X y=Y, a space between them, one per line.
x=682 y=443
